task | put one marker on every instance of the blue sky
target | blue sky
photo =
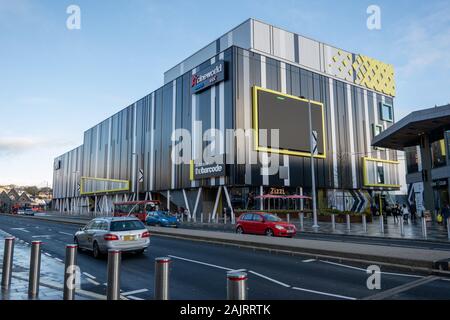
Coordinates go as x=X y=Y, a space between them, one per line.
x=55 y=83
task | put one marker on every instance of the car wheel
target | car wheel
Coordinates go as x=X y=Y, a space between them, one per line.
x=239 y=230
x=96 y=251
x=269 y=232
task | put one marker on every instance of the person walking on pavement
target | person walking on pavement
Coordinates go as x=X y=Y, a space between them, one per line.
x=396 y=213
x=446 y=214
x=405 y=214
x=413 y=213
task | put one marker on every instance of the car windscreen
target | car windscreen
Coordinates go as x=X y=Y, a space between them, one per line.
x=271 y=217
x=126 y=225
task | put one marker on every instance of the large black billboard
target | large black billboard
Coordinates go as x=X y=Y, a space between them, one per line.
x=290 y=114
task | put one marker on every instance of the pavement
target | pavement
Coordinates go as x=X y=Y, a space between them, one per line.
x=198 y=271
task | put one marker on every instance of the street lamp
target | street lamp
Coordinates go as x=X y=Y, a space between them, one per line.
x=313 y=177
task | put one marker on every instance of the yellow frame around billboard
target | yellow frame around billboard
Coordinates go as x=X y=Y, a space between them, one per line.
x=257 y=147
x=379 y=185
x=103 y=191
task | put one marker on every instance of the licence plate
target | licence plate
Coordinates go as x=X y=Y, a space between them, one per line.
x=290 y=231
x=129 y=238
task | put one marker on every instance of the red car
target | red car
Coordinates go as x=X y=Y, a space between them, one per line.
x=264 y=223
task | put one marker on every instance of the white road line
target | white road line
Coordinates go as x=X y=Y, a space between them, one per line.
x=134 y=292
x=93 y=281
x=47 y=254
x=203 y=263
x=239 y=270
x=309 y=260
x=20 y=229
x=270 y=279
x=134 y=298
x=42 y=236
x=66 y=233
x=89 y=275
x=58 y=259
x=365 y=270
x=324 y=293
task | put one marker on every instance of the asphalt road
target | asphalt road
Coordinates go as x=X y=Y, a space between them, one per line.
x=199 y=270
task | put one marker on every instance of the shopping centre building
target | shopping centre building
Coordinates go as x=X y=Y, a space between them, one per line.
x=252 y=80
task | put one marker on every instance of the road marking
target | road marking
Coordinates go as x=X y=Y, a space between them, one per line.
x=66 y=233
x=93 y=281
x=47 y=254
x=89 y=275
x=324 y=293
x=199 y=262
x=42 y=236
x=365 y=270
x=134 y=292
x=134 y=298
x=58 y=259
x=239 y=270
x=20 y=229
x=405 y=287
x=270 y=279
x=309 y=260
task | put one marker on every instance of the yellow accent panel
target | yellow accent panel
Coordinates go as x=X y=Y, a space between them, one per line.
x=191 y=170
x=284 y=151
x=374 y=75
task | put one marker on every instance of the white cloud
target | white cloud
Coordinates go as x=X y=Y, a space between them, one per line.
x=425 y=41
x=11 y=146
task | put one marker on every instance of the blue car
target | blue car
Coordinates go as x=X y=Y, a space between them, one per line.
x=161 y=218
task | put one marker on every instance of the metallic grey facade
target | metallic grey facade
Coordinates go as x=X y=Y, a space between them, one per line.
x=256 y=54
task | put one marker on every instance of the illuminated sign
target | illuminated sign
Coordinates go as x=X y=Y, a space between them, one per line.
x=208 y=77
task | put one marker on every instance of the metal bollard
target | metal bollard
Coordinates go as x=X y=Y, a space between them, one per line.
x=8 y=256
x=201 y=218
x=217 y=218
x=381 y=224
x=348 y=222
x=162 y=278
x=302 y=218
x=70 y=272
x=448 y=228
x=424 y=227
x=288 y=218
x=35 y=269
x=364 y=222
x=333 y=222
x=113 y=289
x=182 y=217
x=225 y=219
x=236 y=286
x=402 y=232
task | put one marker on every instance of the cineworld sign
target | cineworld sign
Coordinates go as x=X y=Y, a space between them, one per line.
x=208 y=77
x=202 y=171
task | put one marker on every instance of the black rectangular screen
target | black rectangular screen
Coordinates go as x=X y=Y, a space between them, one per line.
x=291 y=117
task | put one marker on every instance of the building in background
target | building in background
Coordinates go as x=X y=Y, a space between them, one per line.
x=251 y=77
x=425 y=138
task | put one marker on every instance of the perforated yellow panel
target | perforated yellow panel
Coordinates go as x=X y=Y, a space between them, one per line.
x=364 y=71
x=374 y=74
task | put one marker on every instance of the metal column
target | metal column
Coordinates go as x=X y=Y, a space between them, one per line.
x=162 y=278
x=8 y=256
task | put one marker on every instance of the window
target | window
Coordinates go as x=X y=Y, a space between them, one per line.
x=386 y=112
x=257 y=217
x=376 y=130
x=380 y=173
x=126 y=225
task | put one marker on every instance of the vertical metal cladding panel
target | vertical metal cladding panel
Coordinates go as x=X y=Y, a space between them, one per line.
x=159 y=167
x=185 y=108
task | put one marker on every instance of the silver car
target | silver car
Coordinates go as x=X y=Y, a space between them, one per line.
x=122 y=233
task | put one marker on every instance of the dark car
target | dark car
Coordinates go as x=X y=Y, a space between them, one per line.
x=264 y=223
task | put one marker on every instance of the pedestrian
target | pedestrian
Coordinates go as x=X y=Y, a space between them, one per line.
x=405 y=213
x=446 y=214
x=396 y=213
x=413 y=212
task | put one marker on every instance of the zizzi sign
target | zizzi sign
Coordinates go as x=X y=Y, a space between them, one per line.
x=208 y=77
x=202 y=171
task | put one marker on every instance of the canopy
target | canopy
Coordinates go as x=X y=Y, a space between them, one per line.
x=272 y=196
